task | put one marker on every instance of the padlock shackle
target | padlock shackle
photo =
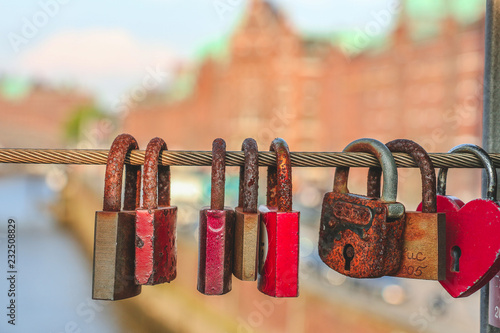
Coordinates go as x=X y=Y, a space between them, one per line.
x=482 y=155
x=156 y=178
x=249 y=177
x=423 y=161
x=279 y=178
x=122 y=145
x=218 y=174
x=386 y=160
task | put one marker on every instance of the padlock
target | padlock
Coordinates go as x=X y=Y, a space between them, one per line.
x=247 y=228
x=494 y=301
x=472 y=231
x=114 y=237
x=279 y=250
x=425 y=232
x=362 y=236
x=216 y=234
x=155 y=222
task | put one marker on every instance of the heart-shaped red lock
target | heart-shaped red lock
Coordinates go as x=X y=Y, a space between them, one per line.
x=472 y=231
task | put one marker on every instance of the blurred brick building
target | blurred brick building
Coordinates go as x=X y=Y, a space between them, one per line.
x=273 y=82
x=34 y=115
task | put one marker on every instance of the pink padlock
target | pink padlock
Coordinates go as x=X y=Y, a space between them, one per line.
x=279 y=254
x=216 y=232
x=472 y=231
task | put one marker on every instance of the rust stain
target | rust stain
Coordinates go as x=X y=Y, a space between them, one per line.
x=156 y=182
x=279 y=178
x=249 y=177
x=218 y=174
x=121 y=146
x=423 y=161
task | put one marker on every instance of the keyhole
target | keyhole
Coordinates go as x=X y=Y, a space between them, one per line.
x=348 y=256
x=456 y=253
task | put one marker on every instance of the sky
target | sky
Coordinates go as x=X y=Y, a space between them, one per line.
x=108 y=47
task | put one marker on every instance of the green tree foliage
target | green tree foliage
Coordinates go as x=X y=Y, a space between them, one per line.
x=81 y=118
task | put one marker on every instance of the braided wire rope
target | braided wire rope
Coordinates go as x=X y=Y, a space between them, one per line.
x=233 y=158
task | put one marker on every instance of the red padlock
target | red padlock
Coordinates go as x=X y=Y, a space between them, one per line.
x=216 y=232
x=472 y=231
x=155 y=248
x=279 y=272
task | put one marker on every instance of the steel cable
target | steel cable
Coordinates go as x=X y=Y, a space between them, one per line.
x=233 y=158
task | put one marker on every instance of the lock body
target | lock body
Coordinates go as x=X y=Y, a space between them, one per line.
x=215 y=251
x=494 y=301
x=246 y=245
x=356 y=237
x=470 y=234
x=279 y=253
x=424 y=256
x=471 y=231
x=114 y=240
x=155 y=247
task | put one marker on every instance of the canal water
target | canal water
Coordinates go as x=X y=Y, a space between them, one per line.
x=51 y=278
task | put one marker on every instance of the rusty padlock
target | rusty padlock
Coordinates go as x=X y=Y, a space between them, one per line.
x=425 y=232
x=362 y=236
x=216 y=234
x=472 y=231
x=155 y=248
x=279 y=250
x=247 y=228
x=114 y=237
